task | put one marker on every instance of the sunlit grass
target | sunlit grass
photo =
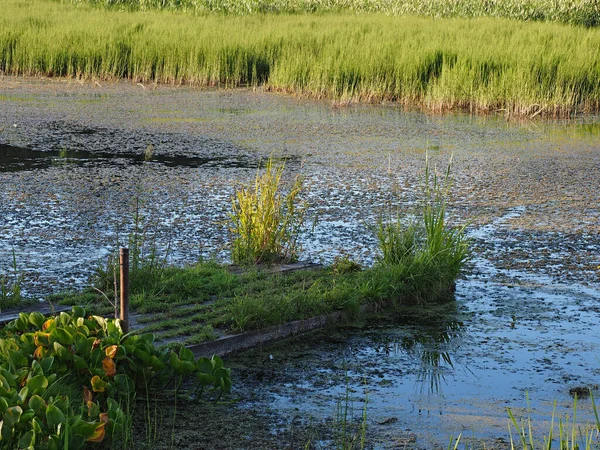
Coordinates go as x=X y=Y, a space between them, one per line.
x=579 y=12
x=484 y=64
x=265 y=221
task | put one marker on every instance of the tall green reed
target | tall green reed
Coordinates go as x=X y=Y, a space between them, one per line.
x=425 y=245
x=572 y=435
x=10 y=286
x=520 y=68
x=576 y=12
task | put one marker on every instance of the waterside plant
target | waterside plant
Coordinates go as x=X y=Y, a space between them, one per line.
x=264 y=222
x=574 y=12
x=481 y=65
x=566 y=432
x=43 y=358
x=10 y=286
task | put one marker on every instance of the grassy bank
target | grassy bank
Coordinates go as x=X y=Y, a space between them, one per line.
x=480 y=65
x=197 y=304
x=575 y=12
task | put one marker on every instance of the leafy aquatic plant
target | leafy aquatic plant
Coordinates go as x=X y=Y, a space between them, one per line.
x=93 y=356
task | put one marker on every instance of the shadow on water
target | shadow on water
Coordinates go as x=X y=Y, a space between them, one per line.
x=17 y=159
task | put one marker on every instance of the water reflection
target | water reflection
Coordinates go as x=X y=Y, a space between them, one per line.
x=431 y=341
x=17 y=159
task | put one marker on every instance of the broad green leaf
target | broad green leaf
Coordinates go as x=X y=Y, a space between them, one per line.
x=148 y=338
x=174 y=360
x=113 y=328
x=46 y=364
x=36 y=369
x=17 y=359
x=41 y=338
x=27 y=440
x=36 y=424
x=37 y=319
x=4 y=386
x=156 y=363
x=38 y=405
x=186 y=367
x=62 y=402
x=216 y=361
x=62 y=336
x=7 y=432
x=206 y=379
x=64 y=319
x=37 y=384
x=79 y=363
x=101 y=321
x=12 y=416
x=77 y=312
x=54 y=416
x=142 y=356
x=27 y=416
x=185 y=354
x=62 y=352
x=204 y=365
x=22 y=396
x=83 y=343
x=9 y=377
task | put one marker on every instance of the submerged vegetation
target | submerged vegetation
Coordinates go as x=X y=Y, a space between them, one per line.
x=522 y=68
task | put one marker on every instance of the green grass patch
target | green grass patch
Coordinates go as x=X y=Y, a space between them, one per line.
x=483 y=64
x=416 y=264
x=259 y=299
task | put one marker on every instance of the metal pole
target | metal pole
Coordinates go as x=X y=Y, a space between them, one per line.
x=124 y=310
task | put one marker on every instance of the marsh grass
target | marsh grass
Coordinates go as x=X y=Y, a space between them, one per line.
x=265 y=222
x=423 y=247
x=567 y=432
x=484 y=64
x=10 y=286
x=575 y=12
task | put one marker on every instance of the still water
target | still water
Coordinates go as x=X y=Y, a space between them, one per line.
x=76 y=160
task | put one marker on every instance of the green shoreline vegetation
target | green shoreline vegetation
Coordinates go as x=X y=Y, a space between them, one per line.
x=481 y=64
x=418 y=262
x=573 y=12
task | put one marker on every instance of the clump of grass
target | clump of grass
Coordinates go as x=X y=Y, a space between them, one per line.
x=423 y=250
x=265 y=222
x=571 y=434
x=10 y=286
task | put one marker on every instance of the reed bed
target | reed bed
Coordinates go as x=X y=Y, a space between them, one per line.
x=484 y=64
x=575 y=12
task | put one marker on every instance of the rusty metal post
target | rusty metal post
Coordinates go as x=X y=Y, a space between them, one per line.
x=124 y=310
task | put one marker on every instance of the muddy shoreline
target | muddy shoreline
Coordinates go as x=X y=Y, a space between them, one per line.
x=528 y=308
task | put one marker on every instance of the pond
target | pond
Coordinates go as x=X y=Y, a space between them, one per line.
x=526 y=313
